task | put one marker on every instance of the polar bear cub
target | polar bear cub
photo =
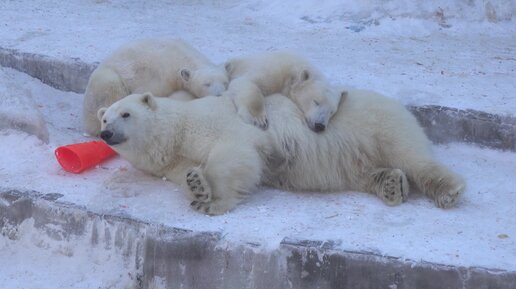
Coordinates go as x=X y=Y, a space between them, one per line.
x=373 y=144
x=160 y=66
x=252 y=77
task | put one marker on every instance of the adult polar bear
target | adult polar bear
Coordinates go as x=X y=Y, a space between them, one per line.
x=373 y=145
x=159 y=66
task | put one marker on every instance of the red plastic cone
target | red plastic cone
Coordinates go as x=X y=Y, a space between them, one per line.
x=76 y=158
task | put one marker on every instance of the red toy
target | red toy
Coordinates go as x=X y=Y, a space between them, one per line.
x=76 y=158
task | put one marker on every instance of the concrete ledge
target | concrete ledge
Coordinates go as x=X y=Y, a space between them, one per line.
x=445 y=124
x=316 y=265
x=442 y=124
x=66 y=75
x=186 y=259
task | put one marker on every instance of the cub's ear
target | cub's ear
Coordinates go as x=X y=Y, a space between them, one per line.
x=148 y=100
x=343 y=95
x=100 y=113
x=301 y=75
x=305 y=75
x=185 y=74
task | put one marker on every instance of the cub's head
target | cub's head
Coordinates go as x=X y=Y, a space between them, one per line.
x=123 y=124
x=315 y=97
x=205 y=81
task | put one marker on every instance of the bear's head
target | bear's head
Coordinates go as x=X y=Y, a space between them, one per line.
x=205 y=81
x=315 y=97
x=124 y=119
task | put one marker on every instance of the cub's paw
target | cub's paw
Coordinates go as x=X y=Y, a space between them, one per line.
x=259 y=120
x=198 y=188
x=394 y=188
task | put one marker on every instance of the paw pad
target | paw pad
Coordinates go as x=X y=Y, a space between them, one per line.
x=395 y=187
x=198 y=187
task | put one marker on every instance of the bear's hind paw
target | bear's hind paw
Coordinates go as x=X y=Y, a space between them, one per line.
x=198 y=187
x=211 y=208
x=395 y=188
x=448 y=197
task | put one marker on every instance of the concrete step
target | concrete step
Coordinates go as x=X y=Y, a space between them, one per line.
x=188 y=259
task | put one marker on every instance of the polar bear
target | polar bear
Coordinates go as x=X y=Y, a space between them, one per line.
x=253 y=76
x=160 y=66
x=201 y=144
x=373 y=144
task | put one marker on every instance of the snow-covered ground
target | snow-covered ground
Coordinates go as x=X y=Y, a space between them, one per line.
x=481 y=231
x=455 y=53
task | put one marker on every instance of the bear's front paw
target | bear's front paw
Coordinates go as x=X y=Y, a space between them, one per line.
x=395 y=188
x=259 y=120
x=198 y=187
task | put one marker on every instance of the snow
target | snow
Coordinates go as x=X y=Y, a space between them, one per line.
x=17 y=110
x=453 y=53
x=53 y=264
x=403 y=49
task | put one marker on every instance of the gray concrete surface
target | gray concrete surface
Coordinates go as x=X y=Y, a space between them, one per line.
x=442 y=124
x=204 y=260
x=446 y=124
x=66 y=75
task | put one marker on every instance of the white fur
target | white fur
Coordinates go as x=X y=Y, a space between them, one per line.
x=182 y=95
x=284 y=72
x=170 y=138
x=373 y=144
x=159 y=66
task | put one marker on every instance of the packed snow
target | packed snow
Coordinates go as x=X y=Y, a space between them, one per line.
x=454 y=53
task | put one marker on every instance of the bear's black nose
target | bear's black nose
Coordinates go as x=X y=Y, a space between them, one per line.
x=106 y=134
x=318 y=127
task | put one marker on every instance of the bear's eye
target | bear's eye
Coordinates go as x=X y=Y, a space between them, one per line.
x=104 y=121
x=126 y=115
x=316 y=102
x=207 y=84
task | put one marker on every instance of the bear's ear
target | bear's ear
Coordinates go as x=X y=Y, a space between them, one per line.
x=148 y=100
x=228 y=66
x=305 y=75
x=100 y=113
x=185 y=74
x=301 y=76
x=343 y=95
